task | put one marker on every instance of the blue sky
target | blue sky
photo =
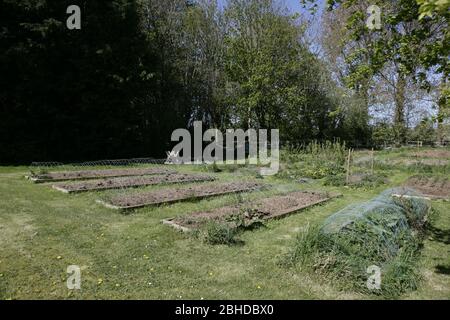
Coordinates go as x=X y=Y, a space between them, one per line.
x=293 y=5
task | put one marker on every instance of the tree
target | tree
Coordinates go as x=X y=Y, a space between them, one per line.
x=413 y=47
x=67 y=94
x=277 y=81
x=204 y=68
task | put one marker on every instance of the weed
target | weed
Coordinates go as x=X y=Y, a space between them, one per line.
x=219 y=233
x=356 y=181
x=315 y=160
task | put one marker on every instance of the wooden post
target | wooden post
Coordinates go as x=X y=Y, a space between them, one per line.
x=373 y=163
x=348 y=166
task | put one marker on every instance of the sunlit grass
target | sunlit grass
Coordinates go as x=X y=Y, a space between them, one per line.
x=42 y=231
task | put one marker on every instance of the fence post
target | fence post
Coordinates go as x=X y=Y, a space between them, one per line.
x=372 y=169
x=348 y=166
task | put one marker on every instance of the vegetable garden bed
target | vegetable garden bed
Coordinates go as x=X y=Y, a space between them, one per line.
x=431 y=187
x=129 y=182
x=94 y=174
x=142 y=199
x=264 y=209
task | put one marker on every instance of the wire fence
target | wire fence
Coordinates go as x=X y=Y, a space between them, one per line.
x=42 y=167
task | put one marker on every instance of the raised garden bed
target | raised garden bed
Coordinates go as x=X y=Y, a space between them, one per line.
x=142 y=199
x=264 y=209
x=417 y=162
x=95 y=174
x=129 y=182
x=431 y=187
x=436 y=153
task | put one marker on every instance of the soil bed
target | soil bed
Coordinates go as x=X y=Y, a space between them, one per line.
x=93 y=174
x=413 y=162
x=128 y=182
x=264 y=209
x=440 y=154
x=138 y=200
x=434 y=188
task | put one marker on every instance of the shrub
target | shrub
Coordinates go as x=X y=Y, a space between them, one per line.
x=214 y=167
x=219 y=233
x=386 y=232
x=315 y=160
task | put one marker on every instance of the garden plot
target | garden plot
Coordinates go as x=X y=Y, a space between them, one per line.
x=129 y=182
x=94 y=174
x=437 y=154
x=264 y=209
x=142 y=199
x=434 y=188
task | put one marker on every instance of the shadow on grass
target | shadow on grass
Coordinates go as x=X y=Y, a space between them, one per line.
x=442 y=269
x=255 y=226
x=438 y=234
x=237 y=243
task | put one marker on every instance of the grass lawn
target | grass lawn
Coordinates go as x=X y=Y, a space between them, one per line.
x=135 y=256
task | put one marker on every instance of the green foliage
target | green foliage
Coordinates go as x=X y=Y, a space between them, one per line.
x=214 y=167
x=246 y=218
x=140 y=69
x=225 y=231
x=424 y=45
x=382 y=134
x=366 y=181
x=381 y=238
x=314 y=160
x=422 y=168
x=274 y=77
x=430 y=7
x=80 y=94
x=424 y=131
x=219 y=233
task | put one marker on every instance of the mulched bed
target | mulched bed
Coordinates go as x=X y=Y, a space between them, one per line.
x=93 y=174
x=413 y=162
x=441 y=154
x=434 y=188
x=267 y=208
x=138 y=200
x=128 y=182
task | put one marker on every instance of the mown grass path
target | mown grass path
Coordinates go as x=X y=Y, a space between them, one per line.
x=42 y=231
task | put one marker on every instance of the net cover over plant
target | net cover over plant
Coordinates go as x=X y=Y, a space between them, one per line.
x=385 y=232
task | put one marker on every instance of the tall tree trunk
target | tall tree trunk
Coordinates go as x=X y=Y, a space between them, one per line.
x=442 y=105
x=362 y=127
x=363 y=95
x=399 y=117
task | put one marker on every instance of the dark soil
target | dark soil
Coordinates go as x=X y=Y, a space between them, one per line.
x=268 y=208
x=178 y=194
x=127 y=182
x=92 y=174
x=436 y=187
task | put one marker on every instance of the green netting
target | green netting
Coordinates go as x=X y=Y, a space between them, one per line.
x=386 y=232
x=379 y=227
